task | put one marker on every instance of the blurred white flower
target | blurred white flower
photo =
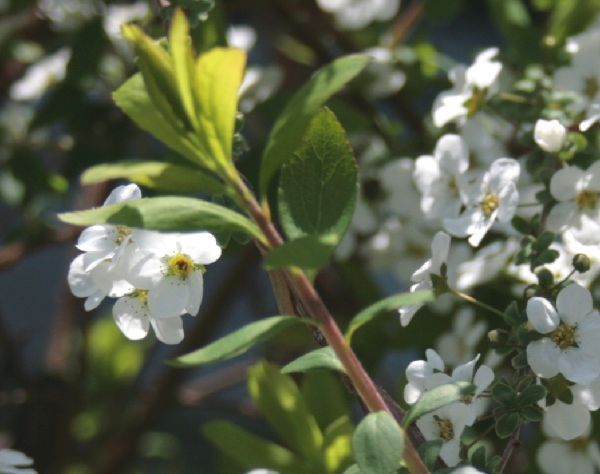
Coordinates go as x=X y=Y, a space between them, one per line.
x=550 y=135
x=495 y=196
x=15 y=462
x=115 y=16
x=68 y=15
x=458 y=345
x=572 y=333
x=241 y=36
x=385 y=78
x=356 y=14
x=258 y=85
x=578 y=208
x=486 y=264
x=41 y=75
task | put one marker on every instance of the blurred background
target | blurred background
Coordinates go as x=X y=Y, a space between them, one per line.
x=75 y=394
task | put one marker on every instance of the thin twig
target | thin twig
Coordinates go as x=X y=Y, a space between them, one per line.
x=513 y=443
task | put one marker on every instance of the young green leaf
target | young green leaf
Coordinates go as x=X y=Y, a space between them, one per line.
x=324 y=396
x=279 y=400
x=387 y=304
x=166 y=177
x=166 y=213
x=318 y=186
x=437 y=398
x=237 y=342
x=308 y=252
x=338 y=444
x=378 y=444
x=248 y=450
x=322 y=358
x=293 y=121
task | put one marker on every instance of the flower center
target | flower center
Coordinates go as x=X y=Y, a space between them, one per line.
x=122 y=233
x=587 y=199
x=180 y=265
x=564 y=336
x=489 y=204
x=591 y=86
x=446 y=429
x=142 y=295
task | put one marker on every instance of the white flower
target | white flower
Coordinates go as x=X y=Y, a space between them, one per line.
x=241 y=37
x=495 y=197
x=550 y=135
x=573 y=331
x=457 y=346
x=466 y=470
x=420 y=375
x=105 y=241
x=437 y=177
x=479 y=78
x=115 y=16
x=96 y=283
x=363 y=223
x=486 y=136
x=259 y=83
x=15 y=462
x=133 y=317
x=356 y=14
x=446 y=423
x=41 y=75
x=559 y=457
x=385 y=78
x=486 y=264
x=578 y=207
x=170 y=266
x=440 y=246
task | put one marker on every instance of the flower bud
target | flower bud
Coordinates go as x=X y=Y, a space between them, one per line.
x=530 y=291
x=581 y=263
x=550 y=135
x=545 y=277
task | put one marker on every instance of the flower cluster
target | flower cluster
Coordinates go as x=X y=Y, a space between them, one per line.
x=156 y=277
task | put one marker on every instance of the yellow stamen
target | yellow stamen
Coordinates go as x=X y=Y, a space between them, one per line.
x=489 y=204
x=446 y=429
x=122 y=233
x=587 y=199
x=181 y=265
x=564 y=336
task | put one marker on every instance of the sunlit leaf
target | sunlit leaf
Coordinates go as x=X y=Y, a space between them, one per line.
x=378 y=444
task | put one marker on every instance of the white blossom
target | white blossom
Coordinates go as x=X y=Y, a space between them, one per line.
x=356 y=14
x=41 y=75
x=458 y=345
x=571 y=331
x=494 y=197
x=550 y=135
x=15 y=462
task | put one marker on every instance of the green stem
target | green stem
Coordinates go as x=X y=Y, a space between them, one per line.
x=476 y=302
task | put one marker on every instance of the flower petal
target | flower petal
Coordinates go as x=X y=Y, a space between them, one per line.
x=96 y=237
x=452 y=153
x=464 y=372
x=561 y=215
x=483 y=378
x=568 y=421
x=169 y=298
x=450 y=452
x=434 y=360
x=131 y=315
x=542 y=315
x=542 y=357
x=81 y=282
x=587 y=395
x=588 y=332
x=94 y=300
x=577 y=366
x=195 y=283
x=169 y=330
x=202 y=247
x=574 y=303
x=563 y=185
x=127 y=192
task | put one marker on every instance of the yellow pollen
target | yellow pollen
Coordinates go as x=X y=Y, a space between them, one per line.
x=446 y=429
x=564 y=336
x=122 y=233
x=587 y=199
x=591 y=86
x=181 y=265
x=489 y=204
x=142 y=294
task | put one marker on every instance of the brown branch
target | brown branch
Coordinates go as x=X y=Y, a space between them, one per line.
x=513 y=443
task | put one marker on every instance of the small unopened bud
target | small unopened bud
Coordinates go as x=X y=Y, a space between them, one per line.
x=545 y=277
x=530 y=291
x=497 y=338
x=550 y=135
x=581 y=263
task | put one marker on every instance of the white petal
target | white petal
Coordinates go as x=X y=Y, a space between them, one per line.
x=542 y=315
x=131 y=315
x=128 y=192
x=452 y=153
x=12 y=457
x=80 y=282
x=562 y=215
x=509 y=200
x=440 y=246
x=479 y=230
x=169 y=298
x=568 y=421
x=169 y=330
x=592 y=177
x=483 y=378
x=94 y=300
x=587 y=395
x=466 y=224
x=588 y=332
x=503 y=171
x=464 y=372
x=96 y=237
x=426 y=173
x=434 y=360
x=428 y=426
x=574 y=303
x=202 y=247
x=542 y=357
x=555 y=458
x=411 y=393
x=563 y=185
x=144 y=270
x=195 y=283
x=578 y=367
x=450 y=452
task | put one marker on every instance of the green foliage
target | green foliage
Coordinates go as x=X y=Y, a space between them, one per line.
x=378 y=444
x=385 y=305
x=317 y=193
x=325 y=397
x=166 y=177
x=438 y=397
x=507 y=424
x=237 y=342
x=166 y=213
x=322 y=358
x=289 y=129
x=309 y=253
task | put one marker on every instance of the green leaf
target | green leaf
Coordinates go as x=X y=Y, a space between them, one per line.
x=166 y=213
x=429 y=452
x=354 y=469
x=279 y=400
x=237 y=342
x=219 y=74
x=308 y=252
x=438 y=397
x=324 y=396
x=338 y=444
x=532 y=394
x=166 y=177
x=385 y=305
x=293 y=121
x=133 y=99
x=248 y=450
x=322 y=358
x=507 y=424
x=378 y=444
x=318 y=186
